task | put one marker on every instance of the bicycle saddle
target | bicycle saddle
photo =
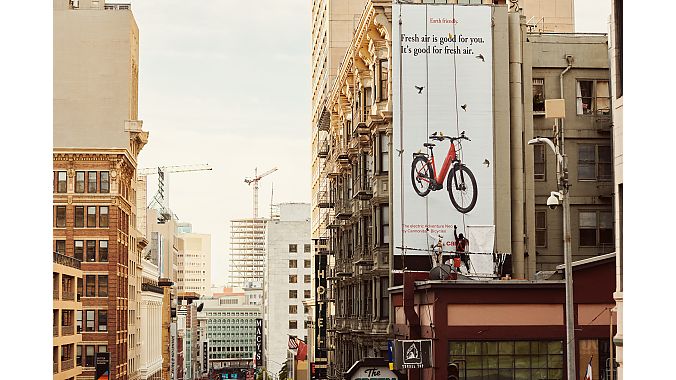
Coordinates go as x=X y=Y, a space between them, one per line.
x=429 y=145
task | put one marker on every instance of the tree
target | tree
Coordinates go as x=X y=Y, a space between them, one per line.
x=284 y=372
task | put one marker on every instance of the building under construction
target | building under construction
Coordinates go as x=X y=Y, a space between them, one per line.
x=247 y=252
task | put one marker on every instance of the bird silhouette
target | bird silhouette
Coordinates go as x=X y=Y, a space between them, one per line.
x=464 y=107
x=487 y=163
x=419 y=89
x=450 y=36
x=399 y=151
x=481 y=57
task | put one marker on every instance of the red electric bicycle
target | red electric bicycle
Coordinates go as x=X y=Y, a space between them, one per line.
x=461 y=183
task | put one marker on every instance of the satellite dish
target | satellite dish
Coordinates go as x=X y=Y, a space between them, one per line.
x=441 y=272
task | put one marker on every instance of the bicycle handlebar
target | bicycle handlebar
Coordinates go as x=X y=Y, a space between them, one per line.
x=437 y=137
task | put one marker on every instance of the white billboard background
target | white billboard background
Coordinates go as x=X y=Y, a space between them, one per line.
x=429 y=63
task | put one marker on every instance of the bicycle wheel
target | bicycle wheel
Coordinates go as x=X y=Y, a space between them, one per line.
x=462 y=188
x=421 y=175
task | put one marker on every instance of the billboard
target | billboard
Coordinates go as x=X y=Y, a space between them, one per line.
x=442 y=124
x=102 y=366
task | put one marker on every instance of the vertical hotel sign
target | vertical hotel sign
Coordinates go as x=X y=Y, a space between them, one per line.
x=321 y=358
x=259 y=342
x=442 y=83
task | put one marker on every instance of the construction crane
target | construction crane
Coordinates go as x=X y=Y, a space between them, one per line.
x=255 y=180
x=161 y=197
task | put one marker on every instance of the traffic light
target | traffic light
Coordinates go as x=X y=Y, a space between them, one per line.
x=453 y=372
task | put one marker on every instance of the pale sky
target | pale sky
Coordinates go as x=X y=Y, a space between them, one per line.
x=228 y=83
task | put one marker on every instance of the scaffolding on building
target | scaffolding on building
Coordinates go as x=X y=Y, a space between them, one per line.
x=247 y=252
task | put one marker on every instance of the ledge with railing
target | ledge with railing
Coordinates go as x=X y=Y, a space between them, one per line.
x=66 y=260
x=67 y=364
x=67 y=330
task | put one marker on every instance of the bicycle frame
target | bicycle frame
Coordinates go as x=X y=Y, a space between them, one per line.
x=446 y=166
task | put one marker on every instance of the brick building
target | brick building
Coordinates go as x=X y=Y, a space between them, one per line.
x=97 y=138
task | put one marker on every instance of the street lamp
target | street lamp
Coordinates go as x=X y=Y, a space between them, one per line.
x=555 y=198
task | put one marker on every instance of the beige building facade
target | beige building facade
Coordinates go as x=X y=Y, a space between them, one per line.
x=616 y=78
x=67 y=274
x=194 y=263
x=97 y=138
x=351 y=143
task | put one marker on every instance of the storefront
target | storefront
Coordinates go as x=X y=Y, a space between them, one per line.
x=510 y=329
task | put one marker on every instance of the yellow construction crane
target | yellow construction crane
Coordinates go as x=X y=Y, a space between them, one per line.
x=161 y=197
x=255 y=180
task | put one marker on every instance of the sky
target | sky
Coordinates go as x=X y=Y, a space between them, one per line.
x=228 y=83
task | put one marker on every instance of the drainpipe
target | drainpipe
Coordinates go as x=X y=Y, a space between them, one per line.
x=516 y=141
x=569 y=59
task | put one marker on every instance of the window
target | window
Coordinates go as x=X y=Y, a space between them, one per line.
x=596 y=228
x=78 y=246
x=60 y=216
x=102 y=348
x=103 y=216
x=103 y=320
x=293 y=309
x=89 y=355
x=103 y=251
x=540 y=228
x=89 y=320
x=306 y=248
x=90 y=286
x=293 y=279
x=306 y=279
x=103 y=286
x=104 y=182
x=383 y=93
x=79 y=216
x=306 y=293
x=538 y=95
x=293 y=248
x=61 y=182
x=79 y=182
x=91 y=182
x=384 y=298
x=78 y=356
x=539 y=163
x=383 y=153
x=293 y=263
x=293 y=325
x=368 y=100
x=293 y=293
x=60 y=246
x=508 y=359
x=593 y=97
x=307 y=264
x=594 y=163
x=78 y=316
x=91 y=216
x=91 y=250
x=384 y=224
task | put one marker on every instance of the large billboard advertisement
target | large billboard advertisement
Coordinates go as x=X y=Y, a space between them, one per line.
x=442 y=126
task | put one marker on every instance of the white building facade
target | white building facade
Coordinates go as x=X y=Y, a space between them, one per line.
x=150 y=366
x=288 y=281
x=230 y=330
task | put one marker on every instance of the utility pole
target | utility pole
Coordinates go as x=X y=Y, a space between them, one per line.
x=557 y=111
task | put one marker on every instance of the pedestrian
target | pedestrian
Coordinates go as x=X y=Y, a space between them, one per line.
x=461 y=246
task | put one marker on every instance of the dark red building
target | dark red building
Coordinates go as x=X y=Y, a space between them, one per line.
x=509 y=329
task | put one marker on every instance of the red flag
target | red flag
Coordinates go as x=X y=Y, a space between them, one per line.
x=302 y=350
